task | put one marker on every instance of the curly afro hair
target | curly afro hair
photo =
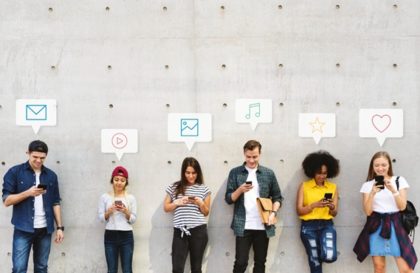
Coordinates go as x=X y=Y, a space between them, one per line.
x=314 y=161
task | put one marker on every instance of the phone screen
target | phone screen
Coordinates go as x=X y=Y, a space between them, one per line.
x=328 y=196
x=42 y=186
x=118 y=203
x=248 y=182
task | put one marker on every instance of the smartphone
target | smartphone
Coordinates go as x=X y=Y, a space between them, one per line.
x=192 y=198
x=42 y=186
x=118 y=203
x=380 y=181
x=248 y=182
x=328 y=196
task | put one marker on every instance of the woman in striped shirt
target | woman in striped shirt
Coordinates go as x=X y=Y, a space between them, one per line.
x=189 y=199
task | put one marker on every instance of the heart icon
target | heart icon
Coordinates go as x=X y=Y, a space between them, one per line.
x=381 y=122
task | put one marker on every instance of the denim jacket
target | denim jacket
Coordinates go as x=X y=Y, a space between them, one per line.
x=268 y=187
x=20 y=178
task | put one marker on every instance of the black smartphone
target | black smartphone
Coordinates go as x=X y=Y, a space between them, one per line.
x=192 y=198
x=248 y=182
x=42 y=186
x=118 y=203
x=328 y=196
x=380 y=181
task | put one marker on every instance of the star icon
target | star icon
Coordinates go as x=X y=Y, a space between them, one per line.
x=317 y=125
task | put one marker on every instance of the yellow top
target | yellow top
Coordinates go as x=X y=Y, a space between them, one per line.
x=313 y=193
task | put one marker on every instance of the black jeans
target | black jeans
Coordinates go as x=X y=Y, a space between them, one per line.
x=195 y=244
x=259 y=241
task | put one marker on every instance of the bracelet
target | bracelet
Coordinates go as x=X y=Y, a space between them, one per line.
x=396 y=193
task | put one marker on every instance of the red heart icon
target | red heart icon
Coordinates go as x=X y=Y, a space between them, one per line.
x=381 y=122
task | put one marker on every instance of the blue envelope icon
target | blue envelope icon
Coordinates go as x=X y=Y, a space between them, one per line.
x=189 y=127
x=36 y=112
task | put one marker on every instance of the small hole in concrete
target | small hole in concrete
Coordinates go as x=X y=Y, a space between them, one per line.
x=168 y=105
x=394 y=103
x=3 y=163
x=169 y=162
x=395 y=6
x=281 y=65
x=113 y=161
x=337 y=65
x=58 y=161
x=107 y=8
x=50 y=9
x=223 y=66
x=394 y=160
x=282 y=160
x=395 y=65
x=111 y=105
x=281 y=104
x=337 y=6
x=165 y=8
x=63 y=254
x=222 y=7
x=225 y=104
x=109 y=67
x=226 y=162
x=166 y=66
x=337 y=103
x=227 y=254
x=53 y=67
x=279 y=6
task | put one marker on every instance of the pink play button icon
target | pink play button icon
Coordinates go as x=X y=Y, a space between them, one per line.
x=119 y=140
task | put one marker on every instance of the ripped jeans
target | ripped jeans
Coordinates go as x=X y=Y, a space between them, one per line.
x=320 y=240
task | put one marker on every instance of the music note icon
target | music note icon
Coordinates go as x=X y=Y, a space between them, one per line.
x=253 y=108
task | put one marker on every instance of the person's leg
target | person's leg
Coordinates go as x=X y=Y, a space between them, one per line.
x=260 y=247
x=197 y=245
x=179 y=251
x=402 y=265
x=328 y=241
x=22 y=242
x=126 y=251
x=309 y=237
x=41 y=247
x=242 y=247
x=111 y=250
x=379 y=264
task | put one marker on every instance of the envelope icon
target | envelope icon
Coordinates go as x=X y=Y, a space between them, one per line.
x=36 y=112
x=189 y=127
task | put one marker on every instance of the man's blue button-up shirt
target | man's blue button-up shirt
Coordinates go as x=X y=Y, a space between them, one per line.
x=19 y=179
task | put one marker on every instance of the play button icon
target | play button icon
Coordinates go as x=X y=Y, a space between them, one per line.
x=119 y=140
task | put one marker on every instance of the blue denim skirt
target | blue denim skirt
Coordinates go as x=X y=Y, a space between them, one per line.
x=384 y=247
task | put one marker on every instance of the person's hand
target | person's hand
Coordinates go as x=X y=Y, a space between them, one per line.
x=389 y=186
x=35 y=191
x=245 y=187
x=272 y=220
x=330 y=205
x=121 y=208
x=181 y=201
x=59 y=236
x=319 y=204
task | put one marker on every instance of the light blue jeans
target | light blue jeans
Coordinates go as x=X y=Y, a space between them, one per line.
x=320 y=240
x=40 y=240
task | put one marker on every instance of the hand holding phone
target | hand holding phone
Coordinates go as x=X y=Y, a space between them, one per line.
x=118 y=203
x=380 y=181
x=248 y=183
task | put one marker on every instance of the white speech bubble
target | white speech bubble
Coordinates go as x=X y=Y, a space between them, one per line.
x=254 y=111
x=119 y=141
x=36 y=113
x=381 y=124
x=317 y=125
x=189 y=128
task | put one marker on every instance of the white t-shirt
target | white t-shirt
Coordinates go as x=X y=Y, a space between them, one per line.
x=117 y=220
x=40 y=221
x=253 y=218
x=384 y=201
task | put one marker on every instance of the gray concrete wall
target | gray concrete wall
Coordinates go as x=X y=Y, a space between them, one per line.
x=151 y=58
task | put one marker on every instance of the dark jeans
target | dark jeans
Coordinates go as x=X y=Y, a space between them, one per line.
x=320 y=240
x=195 y=244
x=119 y=243
x=40 y=240
x=259 y=241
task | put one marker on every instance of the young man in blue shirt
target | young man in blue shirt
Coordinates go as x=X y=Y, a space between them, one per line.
x=246 y=183
x=32 y=190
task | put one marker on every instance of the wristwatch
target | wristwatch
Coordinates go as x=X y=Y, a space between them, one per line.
x=60 y=228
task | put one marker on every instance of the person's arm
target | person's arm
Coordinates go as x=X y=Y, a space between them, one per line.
x=233 y=192
x=333 y=206
x=13 y=199
x=59 y=236
x=204 y=205
x=169 y=206
x=400 y=196
x=303 y=210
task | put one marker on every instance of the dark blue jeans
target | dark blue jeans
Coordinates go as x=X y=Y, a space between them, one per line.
x=195 y=244
x=259 y=241
x=119 y=244
x=40 y=241
x=320 y=240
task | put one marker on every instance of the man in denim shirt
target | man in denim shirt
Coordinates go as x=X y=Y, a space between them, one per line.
x=244 y=185
x=32 y=189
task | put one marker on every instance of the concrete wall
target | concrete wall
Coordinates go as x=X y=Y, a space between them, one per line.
x=151 y=58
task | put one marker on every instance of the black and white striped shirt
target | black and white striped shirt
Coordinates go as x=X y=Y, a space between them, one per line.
x=189 y=215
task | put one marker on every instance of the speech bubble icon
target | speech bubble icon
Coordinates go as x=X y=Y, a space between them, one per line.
x=36 y=113
x=381 y=124
x=119 y=141
x=189 y=128
x=317 y=125
x=253 y=111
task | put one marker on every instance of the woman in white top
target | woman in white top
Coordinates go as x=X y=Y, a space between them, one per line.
x=383 y=234
x=118 y=210
x=189 y=199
